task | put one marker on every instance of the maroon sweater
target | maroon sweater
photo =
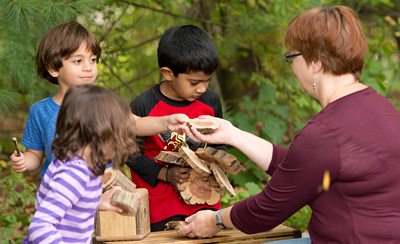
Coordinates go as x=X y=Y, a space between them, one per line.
x=356 y=138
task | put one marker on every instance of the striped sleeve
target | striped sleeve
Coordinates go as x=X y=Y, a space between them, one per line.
x=61 y=189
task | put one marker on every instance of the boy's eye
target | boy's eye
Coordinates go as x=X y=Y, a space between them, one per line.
x=93 y=60
x=77 y=61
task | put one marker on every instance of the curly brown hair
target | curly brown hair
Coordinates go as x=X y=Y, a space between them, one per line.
x=96 y=117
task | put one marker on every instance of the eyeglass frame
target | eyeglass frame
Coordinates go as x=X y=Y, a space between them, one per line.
x=288 y=56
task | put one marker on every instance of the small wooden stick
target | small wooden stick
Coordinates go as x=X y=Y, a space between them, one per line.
x=16 y=146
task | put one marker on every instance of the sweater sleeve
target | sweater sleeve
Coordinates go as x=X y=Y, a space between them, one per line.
x=62 y=192
x=294 y=182
x=278 y=154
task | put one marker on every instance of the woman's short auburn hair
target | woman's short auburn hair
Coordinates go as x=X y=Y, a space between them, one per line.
x=59 y=43
x=333 y=35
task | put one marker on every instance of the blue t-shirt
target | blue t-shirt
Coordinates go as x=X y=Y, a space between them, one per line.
x=40 y=128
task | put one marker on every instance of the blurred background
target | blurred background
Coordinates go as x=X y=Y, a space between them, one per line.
x=258 y=90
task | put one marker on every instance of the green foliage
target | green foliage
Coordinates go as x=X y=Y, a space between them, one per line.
x=249 y=189
x=300 y=219
x=22 y=25
x=15 y=195
x=249 y=36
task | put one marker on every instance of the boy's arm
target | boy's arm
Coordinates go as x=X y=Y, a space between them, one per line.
x=148 y=126
x=27 y=162
x=145 y=168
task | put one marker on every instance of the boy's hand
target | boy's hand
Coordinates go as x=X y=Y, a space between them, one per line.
x=178 y=175
x=176 y=121
x=18 y=164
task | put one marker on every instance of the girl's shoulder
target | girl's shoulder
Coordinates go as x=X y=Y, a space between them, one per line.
x=76 y=166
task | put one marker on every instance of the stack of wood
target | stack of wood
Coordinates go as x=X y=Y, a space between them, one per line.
x=134 y=222
x=203 y=162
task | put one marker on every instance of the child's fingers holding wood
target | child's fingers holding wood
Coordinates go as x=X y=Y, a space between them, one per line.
x=18 y=163
x=177 y=175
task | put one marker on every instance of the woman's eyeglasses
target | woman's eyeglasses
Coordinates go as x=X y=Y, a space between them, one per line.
x=289 y=57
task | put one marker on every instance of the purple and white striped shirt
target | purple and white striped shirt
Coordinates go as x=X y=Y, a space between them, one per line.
x=66 y=204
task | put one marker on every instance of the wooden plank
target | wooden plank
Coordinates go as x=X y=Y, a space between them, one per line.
x=279 y=233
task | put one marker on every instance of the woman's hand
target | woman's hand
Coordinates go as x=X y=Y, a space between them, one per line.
x=201 y=225
x=222 y=135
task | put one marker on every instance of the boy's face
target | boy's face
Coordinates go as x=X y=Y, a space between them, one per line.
x=187 y=87
x=79 y=69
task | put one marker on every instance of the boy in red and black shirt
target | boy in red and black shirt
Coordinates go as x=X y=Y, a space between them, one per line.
x=187 y=58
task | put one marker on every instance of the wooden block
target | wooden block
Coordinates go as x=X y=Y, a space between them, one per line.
x=143 y=226
x=127 y=201
x=111 y=226
x=114 y=177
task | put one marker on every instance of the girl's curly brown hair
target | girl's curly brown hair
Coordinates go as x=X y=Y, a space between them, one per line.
x=94 y=116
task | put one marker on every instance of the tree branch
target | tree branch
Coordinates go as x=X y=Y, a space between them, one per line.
x=204 y=21
x=116 y=75
x=132 y=47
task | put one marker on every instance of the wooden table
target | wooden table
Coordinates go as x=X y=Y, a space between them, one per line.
x=281 y=232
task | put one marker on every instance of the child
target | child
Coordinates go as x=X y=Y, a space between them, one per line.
x=93 y=127
x=187 y=59
x=67 y=56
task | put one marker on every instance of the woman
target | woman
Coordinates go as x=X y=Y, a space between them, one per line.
x=353 y=140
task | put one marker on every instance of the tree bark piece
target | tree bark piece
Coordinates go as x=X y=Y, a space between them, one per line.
x=127 y=201
x=196 y=191
x=226 y=161
x=112 y=177
x=222 y=179
x=204 y=126
x=175 y=225
x=171 y=157
x=206 y=153
x=199 y=165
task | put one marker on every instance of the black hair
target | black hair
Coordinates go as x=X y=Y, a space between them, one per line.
x=187 y=48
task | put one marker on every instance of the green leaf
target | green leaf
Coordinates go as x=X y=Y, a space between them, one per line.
x=280 y=110
x=243 y=177
x=8 y=232
x=266 y=94
x=253 y=188
x=244 y=122
x=248 y=104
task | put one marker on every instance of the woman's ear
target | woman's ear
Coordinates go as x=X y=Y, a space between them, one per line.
x=167 y=73
x=317 y=66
